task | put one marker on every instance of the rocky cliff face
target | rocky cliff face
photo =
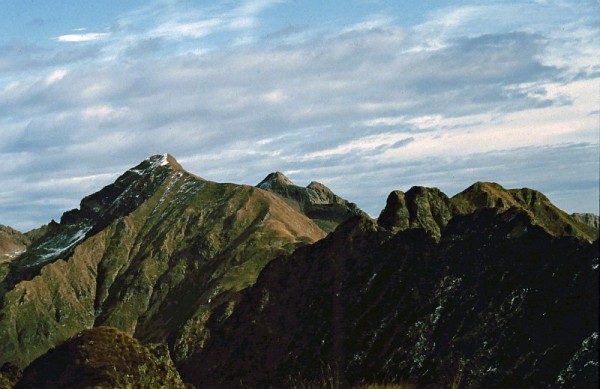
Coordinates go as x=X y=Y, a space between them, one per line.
x=151 y=254
x=316 y=200
x=498 y=302
x=587 y=218
x=12 y=243
x=420 y=207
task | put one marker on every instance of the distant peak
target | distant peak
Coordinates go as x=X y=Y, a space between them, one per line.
x=487 y=186
x=418 y=189
x=162 y=160
x=171 y=161
x=274 y=178
x=318 y=186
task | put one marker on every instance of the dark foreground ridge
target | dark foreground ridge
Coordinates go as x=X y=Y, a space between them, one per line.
x=498 y=302
x=240 y=286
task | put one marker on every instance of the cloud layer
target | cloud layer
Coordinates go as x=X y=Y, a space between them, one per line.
x=364 y=107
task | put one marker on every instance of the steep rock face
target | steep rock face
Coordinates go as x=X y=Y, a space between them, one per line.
x=151 y=254
x=498 y=302
x=316 y=201
x=12 y=243
x=102 y=357
x=420 y=207
x=589 y=219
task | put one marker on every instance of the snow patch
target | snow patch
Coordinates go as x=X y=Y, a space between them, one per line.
x=14 y=254
x=60 y=244
x=155 y=161
x=160 y=161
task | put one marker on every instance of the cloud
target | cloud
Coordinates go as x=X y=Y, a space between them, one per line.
x=360 y=107
x=370 y=143
x=196 y=29
x=55 y=76
x=85 y=37
x=19 y=57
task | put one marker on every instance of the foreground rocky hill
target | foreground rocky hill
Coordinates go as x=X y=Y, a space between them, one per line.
x=241 y=286
x=102 y=357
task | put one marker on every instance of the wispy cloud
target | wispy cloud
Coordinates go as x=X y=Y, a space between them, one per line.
x=196 y=29
x=369 y=101
x=85 y=37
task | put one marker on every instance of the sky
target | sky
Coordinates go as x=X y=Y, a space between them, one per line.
x=364 y=96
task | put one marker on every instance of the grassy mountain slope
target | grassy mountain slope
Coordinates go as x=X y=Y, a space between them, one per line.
x=492 y=287
x=151 y=255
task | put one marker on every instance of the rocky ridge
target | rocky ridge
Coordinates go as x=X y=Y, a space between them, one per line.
x=590 y=219
x=431 y=209
x=315 y=200
x=497 y=301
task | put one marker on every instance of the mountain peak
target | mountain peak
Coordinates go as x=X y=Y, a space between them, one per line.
x=275 y=178
x=316 y=201
x=155 y=161
x=420 y=207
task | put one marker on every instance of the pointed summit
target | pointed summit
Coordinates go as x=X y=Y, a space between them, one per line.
x=156 y=161
x=130 y=190
x=484 y=195
x=420 y=207
x=274 y=179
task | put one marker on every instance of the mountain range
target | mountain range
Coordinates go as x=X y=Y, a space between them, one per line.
x=164 y=278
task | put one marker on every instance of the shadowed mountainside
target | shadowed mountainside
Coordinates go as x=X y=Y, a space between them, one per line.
x=498 y=302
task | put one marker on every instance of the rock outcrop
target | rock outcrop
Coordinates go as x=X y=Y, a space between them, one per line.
x=12 y=243
x=316 y=200
x=590 y=219
x=430 y=209
x=102 y=357
x=420 y=207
